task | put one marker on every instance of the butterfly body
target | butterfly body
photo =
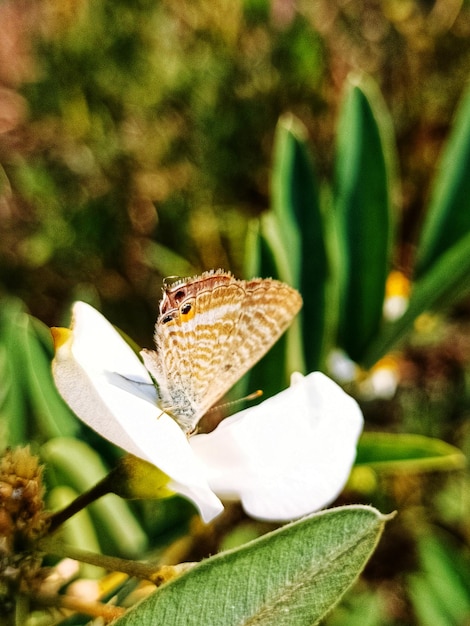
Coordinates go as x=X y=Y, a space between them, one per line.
x=210 y=331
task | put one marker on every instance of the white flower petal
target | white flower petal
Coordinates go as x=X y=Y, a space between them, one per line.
x=288 y=456
x=99 y=347
x=104 y=382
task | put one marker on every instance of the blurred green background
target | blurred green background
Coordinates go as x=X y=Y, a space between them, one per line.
x=136 y=142
x=137 y=136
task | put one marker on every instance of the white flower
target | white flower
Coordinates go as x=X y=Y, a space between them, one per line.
x=284 y=458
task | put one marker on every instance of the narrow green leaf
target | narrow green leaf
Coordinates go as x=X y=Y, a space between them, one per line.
x=296 y=207
x=363 y=201
x=448 y=217
x=407 y=452
x=291 y=177
x=34 y=408
x=290 y=577
x=443 y=284
x=13 y=402
x=427 y=605
x=267 y=256
x=439 y=562
x=272 y=254
x=53 y=416
x=441 y=590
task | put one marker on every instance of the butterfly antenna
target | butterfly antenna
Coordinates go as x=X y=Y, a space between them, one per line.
x=251 y=396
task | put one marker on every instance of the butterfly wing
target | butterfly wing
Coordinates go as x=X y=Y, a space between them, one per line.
x=212 y=330
x=267 y=310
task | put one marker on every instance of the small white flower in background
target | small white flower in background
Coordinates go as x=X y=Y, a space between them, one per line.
x=341 y=367
x=284 y=458
x=378 y=383
x=382 y=380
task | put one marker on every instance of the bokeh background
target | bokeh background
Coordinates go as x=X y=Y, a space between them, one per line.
x=136 y=137
x=136 y=143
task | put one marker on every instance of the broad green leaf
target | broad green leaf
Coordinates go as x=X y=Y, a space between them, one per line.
x=73 y=463
x=407 y=452
x=363 y=204
x=296 y=207
x=290 y=577
x=443 y=284
x=448 y=217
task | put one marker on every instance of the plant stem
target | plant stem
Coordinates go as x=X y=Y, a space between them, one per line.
x=158 y=574
x=94 y=609
x=83 y=500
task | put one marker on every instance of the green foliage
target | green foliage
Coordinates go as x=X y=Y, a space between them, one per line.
x=297 y=230
x=304 y=242
x=296 y=208
x=339 y=257
x=442 y=285
x=30 y=405
x=357 y=241
x=363 y=217
x=407 y=452
x=316 y=560
x=441 y=592
x=146 y=122
x=145 y=151
x=448 y=216
x=32 y=410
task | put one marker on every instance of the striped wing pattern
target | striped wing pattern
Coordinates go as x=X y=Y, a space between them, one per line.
x=211 y=330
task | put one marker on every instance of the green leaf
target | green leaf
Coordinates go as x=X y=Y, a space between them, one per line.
x=53 y=416
x=443 y=284
x=267 y=256
x=282 y=246
x=295 y=199
x=296 y=207
x=290 y=577
x=441 y=591
x=13 y=400
x=272 y=252
x=363 y=201
x=32 y=406
x=427 y=605
x=407 y=452
x=448 y=217
x=441 y=563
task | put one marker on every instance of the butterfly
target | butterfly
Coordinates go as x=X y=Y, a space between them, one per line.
x=210 y=331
